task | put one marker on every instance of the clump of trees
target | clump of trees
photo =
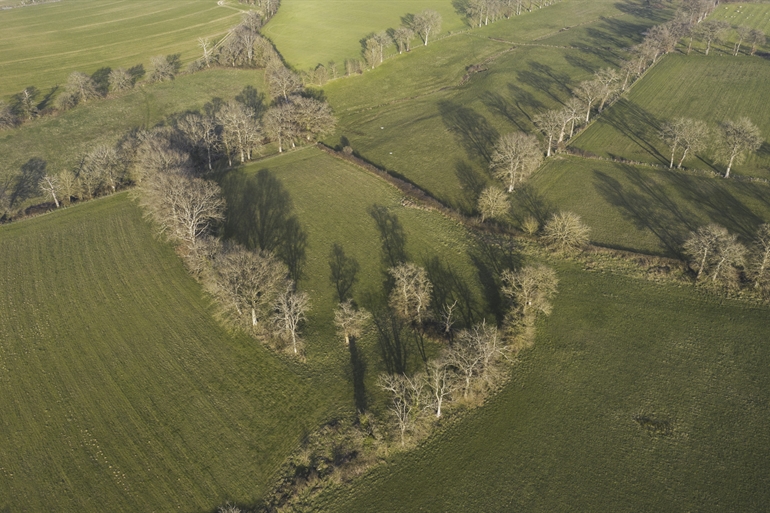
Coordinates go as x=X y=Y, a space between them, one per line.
x=565 y=232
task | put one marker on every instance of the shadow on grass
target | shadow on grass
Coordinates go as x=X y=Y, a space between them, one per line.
x=527 y=201
x=493 y=255
x=472 y=130
x=637 y=124
x=358 y=370
x=472 y=183
x=448 y=288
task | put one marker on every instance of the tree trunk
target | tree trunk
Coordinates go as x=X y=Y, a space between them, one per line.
x=54 y=199
x=686 y=149
x=729 y=165
x=550 y=143
x=708 y=46
x=253 y=317
x=702 y=263
x=689 y=47
x=673 y=152
x=347 y=339
x=294 y=341
x=588 y=112
x=762 y=268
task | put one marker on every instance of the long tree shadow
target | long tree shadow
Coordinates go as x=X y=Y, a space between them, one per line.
x=471 y=129
x=27 y=181
x=450 y=288
x=392 y=236
x=358 y=371
x=545 y=79
x=472 y=183
x=527 y=201
x=393 y=340
x=492 y=256
x=637 y=124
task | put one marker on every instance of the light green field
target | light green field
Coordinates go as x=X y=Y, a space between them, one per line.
x=61 y=140
x=312 y=32
x=756 y=16
x=564 y=435
x=641 y=209
x=41 y=45
x=118 y=389
x=709 y=88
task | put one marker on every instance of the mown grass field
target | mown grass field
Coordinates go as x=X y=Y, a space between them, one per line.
x=43 y=44
x=710 y=88
x=312 y=32
x=636 y=397
x=641 y=209
x=61 y=140
x=418 y=116
x=118 y=389
x=756 y=16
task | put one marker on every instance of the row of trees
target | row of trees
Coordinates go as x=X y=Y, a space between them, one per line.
x=422 y=25
x=732 y=140
x=483 y=12
x=717 y=256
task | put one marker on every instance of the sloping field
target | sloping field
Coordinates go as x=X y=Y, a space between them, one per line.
x=710 y=88
x=641 y=209
x=43 y=44
x=118 y=390
x=618 y=407
x=756 y=16
x=312 y=32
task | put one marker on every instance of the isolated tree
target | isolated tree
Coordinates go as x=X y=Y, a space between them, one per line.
x=411 y=294
x=403 y=37
x=350 y=321
x=248 y=282
x=49 y=184
x=516 y=156
x=439 y=378
x=426 y=23
x=713 y=250
x=737 y=139
x=493 y=203
x=550 y=124
x=312 y=117
x=290 y=311
x=530 y=290
x=711 y=32
x=281 y=82
x=760 y=270
x=565 y=231
x=279 y=125
x=120 y=80
x=344 y=272
x=589 y=92
x=757 y=39
x=406 y=398
x=163 y=68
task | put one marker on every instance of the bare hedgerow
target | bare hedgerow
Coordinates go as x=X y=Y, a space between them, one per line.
x=565 y=231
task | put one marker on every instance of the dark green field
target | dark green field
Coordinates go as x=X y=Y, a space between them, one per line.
x=636 y=397
x=710 y=88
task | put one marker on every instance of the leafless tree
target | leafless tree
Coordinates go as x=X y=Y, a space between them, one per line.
x=589 y=92
x=101 y=166
x=737 y=139
x=49 y=184
x=281 y=82
x=371 y=53
x=760 y=271
x=426 y=23
x=155 y=153
x=572 y=113
x=493 y=203
x=312 y=117
x=163 y=68
x=551 y=125
x=743 y=33
x=515 y=158
x=403 y=37
x=350 y=321
x=565 y=231
x=8 y=118
x=474 y=355
x=279 y=125
x=240 y=132
x=200 y=132
x=439 y=378
x=67 y=186
x=406 y=398
x=26 y=103
x=207 y=47
x=756 y=38
x=79 y=88
x=714 y=252
x=610 y=85
x=684 y=134
x=711 y=32
x=447 y=318
x=530 y=291
x=291 y=309
x=411 y=294
x=120 y=80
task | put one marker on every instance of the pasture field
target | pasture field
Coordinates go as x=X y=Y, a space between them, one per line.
x=118 y=389
x=61 y=140
x=441 y=138
x=710 y=88
x=635 y=397
x=756 y=16
x=43 y=44
x=312 y=32
x=640 y=209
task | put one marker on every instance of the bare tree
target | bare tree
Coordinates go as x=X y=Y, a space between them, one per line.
x=493 y=203
x=120 y=80
x=737 y=139
x=760 y=271
x=79 y=88
x=207 y=47
x=565 y=231
x=67 y=186
x=711 y=32
x=163 y=68
x=589 y=92
x=200 y=132
x=279 y=124
x=8 y=118
x=757 y=39
x=101 y=166
x=550 y=124
x=474 y=355
x=281 y=82
x=403 y=37
x=515 y=158
x=406 y=398
x=312 y=117
x=743 y=33
x=240 y=132
x=350 y=321
x=530 y=290
x=684 y=134
x=411 y=294
x=426 y=23
x=439 y=379
x=26 y=103
x=714 y=250
x=49 y=184
x=572 y=113
x=609 y=79
x=290 y=311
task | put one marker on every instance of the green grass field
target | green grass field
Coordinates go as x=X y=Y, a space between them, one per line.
x=756 y=16
x=118 y=389
x=636 y=397
x=43 y=44
x=710 y=88
x=61 y=140
x=641 y=209
x=312 y=32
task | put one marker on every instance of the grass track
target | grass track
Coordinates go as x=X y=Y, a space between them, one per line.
x=710 y=88
x=43 y=44
x=563 y=435
x=118 y=390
